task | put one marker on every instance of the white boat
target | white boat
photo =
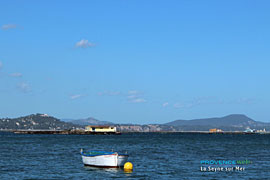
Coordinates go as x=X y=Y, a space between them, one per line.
x=103 y=159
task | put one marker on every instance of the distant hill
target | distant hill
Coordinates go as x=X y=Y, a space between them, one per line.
x=36 y=121
x=90 y=121
x=230 y=122
x=234 y=122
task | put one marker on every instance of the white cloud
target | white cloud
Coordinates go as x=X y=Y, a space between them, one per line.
x=133 y=92
x=76 y=96
x=165 y=104
x=9 y=26
x=138 y=100
x=135 y=96
x=84 y=43
x=16 y=74
x=24 y=87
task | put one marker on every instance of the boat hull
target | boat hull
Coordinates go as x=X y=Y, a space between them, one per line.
x=106 y=161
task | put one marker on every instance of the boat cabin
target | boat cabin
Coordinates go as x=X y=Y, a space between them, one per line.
x=105 y=129
x=215 y=130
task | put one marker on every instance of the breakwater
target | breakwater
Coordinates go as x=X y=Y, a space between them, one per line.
x=75 y=132
x=82 y=132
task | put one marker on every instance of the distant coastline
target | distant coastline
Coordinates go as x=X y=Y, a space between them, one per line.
x=231 y=123
x=79 y=132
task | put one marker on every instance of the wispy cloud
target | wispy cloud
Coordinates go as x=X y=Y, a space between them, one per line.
x=132 y=96
x=133 y=92
x=84 y=43
x=135 y=96
x=242 y=100
x=165 y=104
x=76 y=96
x=9 y=26
x=16 y=74
x=24 y=87
x=138 y=100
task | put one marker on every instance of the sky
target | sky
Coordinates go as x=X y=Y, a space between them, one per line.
x=135 y=61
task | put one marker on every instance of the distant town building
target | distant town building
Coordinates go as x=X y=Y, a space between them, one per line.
x=101 y=129
x=215 y=130
x=261 y=130
x=43 y=115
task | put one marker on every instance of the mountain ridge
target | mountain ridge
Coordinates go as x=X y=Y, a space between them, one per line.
x=233 y=122
x=89 y=121
x=229 y=122
x=231 y=119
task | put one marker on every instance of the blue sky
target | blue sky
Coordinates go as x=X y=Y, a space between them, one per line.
x=135 y=61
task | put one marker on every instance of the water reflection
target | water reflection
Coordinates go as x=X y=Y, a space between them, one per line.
x=113 y=172
x=97 y=169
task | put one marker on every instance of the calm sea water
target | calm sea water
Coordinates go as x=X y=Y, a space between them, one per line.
x=154 y=155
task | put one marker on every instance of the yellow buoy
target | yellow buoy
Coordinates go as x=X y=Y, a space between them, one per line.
x=128 y=166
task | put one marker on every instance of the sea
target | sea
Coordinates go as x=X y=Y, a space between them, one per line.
x=153 y=155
